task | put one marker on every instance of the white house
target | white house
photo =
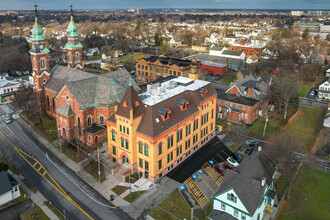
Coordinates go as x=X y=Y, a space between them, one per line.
x=324 y=89
x=245 y=192
x=175 y=42
x=327 y=73
x=8 y=89
x=223 y=52
x=216 y=50
x=9 y=188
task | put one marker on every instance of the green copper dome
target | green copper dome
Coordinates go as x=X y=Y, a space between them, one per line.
x=37 y=31
x=72 y=29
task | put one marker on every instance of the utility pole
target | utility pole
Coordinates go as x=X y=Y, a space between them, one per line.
x=59 y=138
x=98 y=162
x=266 y=121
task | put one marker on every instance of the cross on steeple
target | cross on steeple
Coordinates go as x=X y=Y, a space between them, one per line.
x=71 y=6
x=35 y=9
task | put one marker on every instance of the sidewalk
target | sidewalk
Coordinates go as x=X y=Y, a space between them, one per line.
x=103 y=188
x=37 y=198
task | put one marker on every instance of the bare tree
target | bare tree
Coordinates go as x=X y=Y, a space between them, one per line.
x=284 y=90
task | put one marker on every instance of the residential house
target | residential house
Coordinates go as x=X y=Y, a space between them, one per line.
x=324 y=89
x=155 y=131
x=216 y=50
x=327 y=73
x=243 y=73
x=245 y=193
x=9 y=188
x=175 y=42
x=252 y=59
x=92 y=52
x=247 y=49
x=149 y=69
x=244 y=100
x=8 y=89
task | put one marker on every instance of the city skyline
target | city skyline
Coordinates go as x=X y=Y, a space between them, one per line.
x=193 y=4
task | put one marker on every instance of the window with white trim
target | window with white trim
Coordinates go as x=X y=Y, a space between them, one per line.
x=231 y=197
x=42 y=63
x=101 y=119
x=89 y=121
x=223 y=206
x=235 y=213
x=76 y=57
x=69 y=57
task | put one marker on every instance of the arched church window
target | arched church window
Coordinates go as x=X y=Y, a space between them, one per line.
x=34 y=64
x=69 y=57
x=42 y=63
x=76 y=57
x=89 y=121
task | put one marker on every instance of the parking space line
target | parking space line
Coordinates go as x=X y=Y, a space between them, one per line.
x=215 y=160
x=221 y=157
x=225 y=153
x=205 y=182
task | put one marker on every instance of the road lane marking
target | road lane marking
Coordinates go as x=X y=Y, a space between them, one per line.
x=54 y=184
x=77 y=184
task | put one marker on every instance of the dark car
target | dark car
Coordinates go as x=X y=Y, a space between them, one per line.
x=219 y=170
x=252 y=142
x=228 y=166
x=237 y=157
x=249 y=151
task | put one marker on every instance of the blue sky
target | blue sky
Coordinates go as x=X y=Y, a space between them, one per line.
x=217 y=4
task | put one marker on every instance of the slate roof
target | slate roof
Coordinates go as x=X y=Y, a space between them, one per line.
x=7 y=182
x=251 y=82
x=65 y=110
x=219 y=215
x=232 y=53
x=218 y=48
x=164 y=60
x=60 y=75
x=246 y=182
x=248 y=72
x=149 y=125
x=238 y=99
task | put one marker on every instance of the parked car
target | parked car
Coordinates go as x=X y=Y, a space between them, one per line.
x=237 y=157
x=252 y=142
x=228 y=166
x=219 y=170
x=249 y=151
x=7 y=120
x=232 y=162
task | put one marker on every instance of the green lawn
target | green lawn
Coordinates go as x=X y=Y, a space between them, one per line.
x=119 y=189
x=34 y=213
x=274 y=124
x=220 y=122
x=134 y=195
x=282 y=183
x=303 y=89
x=227 y=79
x=310 y=196
x=47 y=126
x=307 y=126
x=233 y=147
x=131 y=58
x=71 y=152
x=174 y=204
x=134 y=178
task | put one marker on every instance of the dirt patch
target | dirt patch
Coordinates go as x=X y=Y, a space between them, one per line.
x=294 y=117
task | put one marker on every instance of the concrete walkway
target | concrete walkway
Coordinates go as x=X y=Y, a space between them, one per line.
x=37 y=198
x=103 y=188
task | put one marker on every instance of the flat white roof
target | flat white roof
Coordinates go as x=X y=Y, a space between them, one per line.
x=157 y=93
x=247 y=45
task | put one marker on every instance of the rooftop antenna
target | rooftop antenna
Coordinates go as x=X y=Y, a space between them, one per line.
x=35 y=9
x=71 y=6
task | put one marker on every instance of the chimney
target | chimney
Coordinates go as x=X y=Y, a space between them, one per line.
x=242 y=41
x=263 y=181
x=257 y=85
x=267 y=83
x=234 y=80
x=170 y=61
x=249 y=91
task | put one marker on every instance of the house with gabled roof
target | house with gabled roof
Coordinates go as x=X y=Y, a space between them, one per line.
x=9 y=188
x=245 y=193
x=324 y=89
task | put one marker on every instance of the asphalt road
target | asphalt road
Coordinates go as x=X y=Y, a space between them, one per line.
x=84 y=195
x=213 y=150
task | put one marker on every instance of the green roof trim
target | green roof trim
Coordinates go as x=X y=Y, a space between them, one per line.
x=218 y=48
x=72 y=46
x=37 y=31
x=72 y=28
x=45 y=50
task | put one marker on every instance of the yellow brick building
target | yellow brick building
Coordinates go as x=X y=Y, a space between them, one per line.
x=148 y=69
x=155 y=131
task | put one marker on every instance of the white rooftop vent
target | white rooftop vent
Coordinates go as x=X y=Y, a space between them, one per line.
x=157 y=120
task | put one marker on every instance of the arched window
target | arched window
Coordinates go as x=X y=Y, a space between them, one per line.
x=42 y=63
x=63 y=132
x=48 y=104
x=160 y=150
x=34 y=64
x=101 y=119
x=89 y=121
x=54 y=105
x=76 y=57
x=140 y=147
x=79 y=127
x=69 y=57
x=146 y=150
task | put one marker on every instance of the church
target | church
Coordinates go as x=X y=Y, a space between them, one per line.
x=80 y=101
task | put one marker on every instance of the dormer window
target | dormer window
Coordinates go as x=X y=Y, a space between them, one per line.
x=202 y=91
x=164 y=113
x=182 y=103
x=125 y=104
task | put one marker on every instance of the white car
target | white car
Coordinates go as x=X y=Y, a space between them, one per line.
x=233 y=162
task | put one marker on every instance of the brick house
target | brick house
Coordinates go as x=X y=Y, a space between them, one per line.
x=247 y=49
x=243 y=101
x=79 y=101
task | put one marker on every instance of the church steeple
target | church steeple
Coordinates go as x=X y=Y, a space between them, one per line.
x=73 y=47
x=39 y=56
